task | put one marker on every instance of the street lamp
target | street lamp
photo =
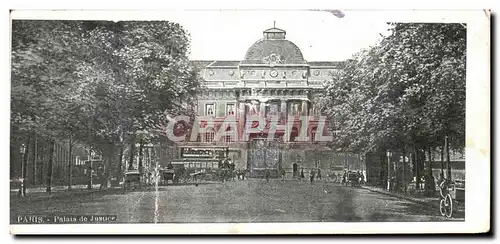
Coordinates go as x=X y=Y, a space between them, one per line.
x=91 y=155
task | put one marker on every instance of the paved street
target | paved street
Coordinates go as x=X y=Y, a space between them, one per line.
x=240 y=201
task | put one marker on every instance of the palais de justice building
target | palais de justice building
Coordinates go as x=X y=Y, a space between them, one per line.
x=273 y=79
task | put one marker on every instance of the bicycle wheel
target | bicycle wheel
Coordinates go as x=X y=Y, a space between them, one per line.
x=442 y=208
x=334 y=178
x=449 y=205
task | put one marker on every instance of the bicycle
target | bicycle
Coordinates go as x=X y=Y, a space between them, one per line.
x=446 y=203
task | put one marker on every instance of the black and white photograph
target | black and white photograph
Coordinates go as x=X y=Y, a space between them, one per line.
x=254 y=117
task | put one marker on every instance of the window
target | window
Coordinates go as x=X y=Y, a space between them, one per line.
x=230 y=135
x=210 y=109
x=230 y=109
x=209 y=136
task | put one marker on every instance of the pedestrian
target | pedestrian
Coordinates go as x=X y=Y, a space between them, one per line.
x=268 y=174
x=358 y=173
x=295 y=169
x=282 y=173
x=311 y=175
x=302 y=173
x=362 y=176
x=344 y=177
x=232 y=171
x=319 y=174
x=240 y=174
x=243 y=174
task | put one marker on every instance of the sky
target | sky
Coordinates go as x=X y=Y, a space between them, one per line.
x=321 y=36
x=227 y=34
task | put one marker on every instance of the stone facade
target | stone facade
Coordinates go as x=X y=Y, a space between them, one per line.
x=272 y=79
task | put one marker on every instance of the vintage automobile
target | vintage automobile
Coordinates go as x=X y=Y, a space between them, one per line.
x=132 y=180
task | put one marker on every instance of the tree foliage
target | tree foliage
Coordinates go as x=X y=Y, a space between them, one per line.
x=406 y=91
x=100 y=83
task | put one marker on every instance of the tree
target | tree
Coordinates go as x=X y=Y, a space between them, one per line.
x=98 y=83
x=404 y=94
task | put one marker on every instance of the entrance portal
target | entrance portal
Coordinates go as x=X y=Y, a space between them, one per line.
x=264 y=154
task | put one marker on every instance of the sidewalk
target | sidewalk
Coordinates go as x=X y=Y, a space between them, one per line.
x=416 y=197
x=39 y=193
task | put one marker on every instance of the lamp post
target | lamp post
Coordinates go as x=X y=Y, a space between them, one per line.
x=91 y=155
x=22 y=190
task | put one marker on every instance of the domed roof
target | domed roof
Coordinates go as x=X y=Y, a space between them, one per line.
x=274 y=49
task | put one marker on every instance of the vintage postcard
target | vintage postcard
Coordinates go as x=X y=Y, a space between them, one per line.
x=298 y=121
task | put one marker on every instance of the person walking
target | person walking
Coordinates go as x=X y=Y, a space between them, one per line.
x=344 y=177
x=295 y=169
x=319 y=174
x=268 y=174
x=311 y=175
x=282 y=174
x=232 y=167
x=361 y=177
x=302 y=173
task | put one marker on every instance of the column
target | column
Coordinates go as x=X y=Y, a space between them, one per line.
x=304 y=108
x=241 y=110
x=241 y=120
x=283 y=108
x=262 y=109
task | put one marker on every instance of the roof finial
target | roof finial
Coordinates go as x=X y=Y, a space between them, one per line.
x=274 y=24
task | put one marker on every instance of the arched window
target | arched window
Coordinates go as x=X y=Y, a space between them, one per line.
x=210 y=109
x=230 y=109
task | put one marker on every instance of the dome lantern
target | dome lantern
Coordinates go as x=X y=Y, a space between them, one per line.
x=273 y=49
x=274 y=33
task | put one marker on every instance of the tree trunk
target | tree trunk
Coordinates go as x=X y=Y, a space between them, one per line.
x=430 y=183
x=397 y=177
x=70 y=163
x=90 y=169
x=25 y=166
x=389 y=175
x=49 y=166
x=383 y=171
x=417 y=169
x=35 y=157
x=109 y=157
x=141 y=154
x=403 y=176
x=442 y=163
x=43 y=150
x=447 y=143
x=120 y=161
x=132 y=152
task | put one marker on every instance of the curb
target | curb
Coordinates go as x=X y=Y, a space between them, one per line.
x=432 y=203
